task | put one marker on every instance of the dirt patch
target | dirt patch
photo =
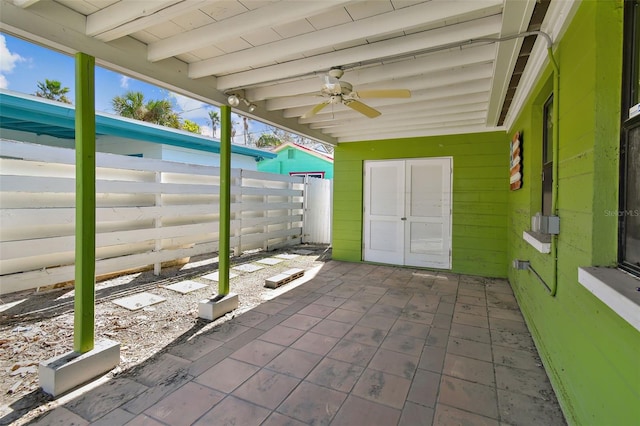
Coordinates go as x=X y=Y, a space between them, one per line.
x=39 y=325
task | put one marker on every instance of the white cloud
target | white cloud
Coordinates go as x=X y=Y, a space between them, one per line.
x=206 y=131
x=188 y=108
x=8 y=62
x=124 y=81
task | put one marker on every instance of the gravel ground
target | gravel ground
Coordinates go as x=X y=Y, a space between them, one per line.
x=41 y=326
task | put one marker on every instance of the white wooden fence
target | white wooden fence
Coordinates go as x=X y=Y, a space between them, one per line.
x=147 y=212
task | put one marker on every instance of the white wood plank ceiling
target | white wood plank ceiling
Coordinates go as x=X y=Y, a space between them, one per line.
x=276 y=54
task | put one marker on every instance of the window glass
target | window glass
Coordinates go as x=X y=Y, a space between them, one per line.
x=547 y=157
x=629 y=209
x=547 y=149
x=310 y=174
x=635 y=66
x=630 y=213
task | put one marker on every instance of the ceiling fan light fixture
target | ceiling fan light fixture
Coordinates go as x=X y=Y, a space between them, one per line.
x=336 y=91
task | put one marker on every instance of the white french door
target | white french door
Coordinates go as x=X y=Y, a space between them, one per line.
x=407 y=212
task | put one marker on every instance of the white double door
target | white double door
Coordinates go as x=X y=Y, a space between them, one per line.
x=407 y=212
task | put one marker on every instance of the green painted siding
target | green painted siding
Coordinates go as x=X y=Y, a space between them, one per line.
x=297 y=161
x=480 y=186
x=589 y=352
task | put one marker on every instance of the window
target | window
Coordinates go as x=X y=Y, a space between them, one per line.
x=310 y=174
x=547 y=156
x=629 y=210
x=291 y=154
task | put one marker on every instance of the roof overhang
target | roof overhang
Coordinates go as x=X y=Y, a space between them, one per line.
x=273 y=53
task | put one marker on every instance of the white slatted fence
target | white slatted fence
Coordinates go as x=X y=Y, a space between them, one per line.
x=147 y=212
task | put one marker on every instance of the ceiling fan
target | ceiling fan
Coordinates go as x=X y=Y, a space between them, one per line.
x=337 y=91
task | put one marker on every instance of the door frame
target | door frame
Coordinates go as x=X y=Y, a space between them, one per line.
x=404 y=200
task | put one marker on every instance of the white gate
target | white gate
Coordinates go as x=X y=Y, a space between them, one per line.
x=316 y=227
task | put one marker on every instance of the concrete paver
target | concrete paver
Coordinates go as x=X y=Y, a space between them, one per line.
x=358 y=344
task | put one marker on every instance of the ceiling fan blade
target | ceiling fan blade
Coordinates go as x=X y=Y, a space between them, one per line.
x=383 y=93
x=316 y=109
x=362 y=108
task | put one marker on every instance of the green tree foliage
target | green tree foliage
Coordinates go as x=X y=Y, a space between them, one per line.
x=161 y=112
x=267 y=140
x=132 y=105
x=284 y=136
x=52 y=89
x=190 y=126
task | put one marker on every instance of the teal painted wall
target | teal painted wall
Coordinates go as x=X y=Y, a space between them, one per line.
x=301 y=162
x=589 y=352
x=480 y=186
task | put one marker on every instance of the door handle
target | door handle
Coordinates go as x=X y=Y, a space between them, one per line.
x=403 y=218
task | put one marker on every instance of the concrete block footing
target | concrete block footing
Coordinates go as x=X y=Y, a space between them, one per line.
x=283 y=278
x=67 y=371
x=211 y=309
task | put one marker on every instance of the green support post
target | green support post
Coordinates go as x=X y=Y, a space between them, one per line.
x=225 y=200
x=85 y=256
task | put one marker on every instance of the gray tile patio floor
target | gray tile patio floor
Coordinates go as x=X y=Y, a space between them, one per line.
x=359 y=344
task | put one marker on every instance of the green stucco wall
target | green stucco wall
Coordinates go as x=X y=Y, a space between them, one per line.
x=590 y=354
x=480 y=186
x=301 y=162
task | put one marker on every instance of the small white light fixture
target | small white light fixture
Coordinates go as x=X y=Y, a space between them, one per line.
x=233 y=100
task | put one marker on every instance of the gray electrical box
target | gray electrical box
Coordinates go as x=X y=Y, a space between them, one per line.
x=545 y=224
x=521 y=265
x=550 y=225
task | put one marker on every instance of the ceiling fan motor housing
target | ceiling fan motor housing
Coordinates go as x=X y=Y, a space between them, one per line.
x=345 y=87
x=336 y=72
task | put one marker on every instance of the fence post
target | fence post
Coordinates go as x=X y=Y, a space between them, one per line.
x=237 y=215
x=85 y=233
x=305 y=210
x=265 y=213
x=157 y=222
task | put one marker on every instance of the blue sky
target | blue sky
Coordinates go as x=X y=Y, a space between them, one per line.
x=23 y=65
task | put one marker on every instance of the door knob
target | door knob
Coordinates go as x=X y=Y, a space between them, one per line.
x=403 y=218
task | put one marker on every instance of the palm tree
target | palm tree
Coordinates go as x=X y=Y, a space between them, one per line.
x=132 y=105
x=52 y=89
x=215 y=120
x=161 y=112
x=245 y=125
x=233 y=129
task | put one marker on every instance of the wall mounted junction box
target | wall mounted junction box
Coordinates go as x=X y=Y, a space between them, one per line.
x=521 y=265
x=550 y=225
x=545 y=224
